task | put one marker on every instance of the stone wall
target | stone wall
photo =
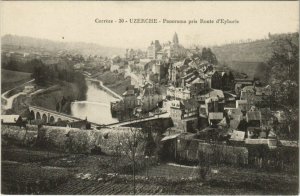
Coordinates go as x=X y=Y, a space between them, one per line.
x=195 y=150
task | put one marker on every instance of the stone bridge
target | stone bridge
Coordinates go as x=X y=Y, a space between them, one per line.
x=50 y=116
x=163 y=121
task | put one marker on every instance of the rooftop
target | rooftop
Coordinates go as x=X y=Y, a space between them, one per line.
x=215 y=116
x=197 y=80
x=128 y=92
x=9 y=118
x=178 y=64
x=215 y=93
x=234 y=124
x=211 y=99
x=237 y=135
x=241 y=101
x=175 y=104
x=253 y=115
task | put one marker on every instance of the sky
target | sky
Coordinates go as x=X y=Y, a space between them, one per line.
x=75 y=21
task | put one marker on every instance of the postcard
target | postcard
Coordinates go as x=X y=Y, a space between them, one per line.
x=150 y=97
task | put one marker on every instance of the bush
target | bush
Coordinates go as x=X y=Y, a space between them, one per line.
x=19 y=136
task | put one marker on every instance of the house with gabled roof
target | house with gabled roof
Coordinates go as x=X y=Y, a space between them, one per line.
x=215 y=117
x=253 y=118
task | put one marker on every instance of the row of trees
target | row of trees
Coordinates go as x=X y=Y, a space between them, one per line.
x=15 y=65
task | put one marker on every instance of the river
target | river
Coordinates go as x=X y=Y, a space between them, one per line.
x=96 y=107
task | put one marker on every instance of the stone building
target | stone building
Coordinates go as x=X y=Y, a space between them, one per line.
x=213 y=104
x=178 y=93
x=185 y=114
x=153 y=49
x=149 y=97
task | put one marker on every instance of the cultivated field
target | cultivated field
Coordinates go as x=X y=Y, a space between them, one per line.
x=40 y=172
x=107 y=187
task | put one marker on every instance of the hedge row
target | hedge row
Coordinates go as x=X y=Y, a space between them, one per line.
x=76 y=140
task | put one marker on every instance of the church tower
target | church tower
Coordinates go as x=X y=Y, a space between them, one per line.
x=175 y=39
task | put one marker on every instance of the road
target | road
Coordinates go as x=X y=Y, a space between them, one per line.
x=165 y=115
x=9 y=101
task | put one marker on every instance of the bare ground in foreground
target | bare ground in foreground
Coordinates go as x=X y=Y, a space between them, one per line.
x=41 y=172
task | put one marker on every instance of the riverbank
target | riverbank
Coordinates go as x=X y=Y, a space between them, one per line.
x=104 y=88
x=114 y=81
x=48 y=97
x=98 y=98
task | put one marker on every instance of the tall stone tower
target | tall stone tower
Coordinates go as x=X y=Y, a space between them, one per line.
x=175 y=39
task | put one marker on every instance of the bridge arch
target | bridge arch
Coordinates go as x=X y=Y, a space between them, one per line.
x=44 y=118
x=51 y=119
x=48 y=116
x=32 y=115
x=38 y=116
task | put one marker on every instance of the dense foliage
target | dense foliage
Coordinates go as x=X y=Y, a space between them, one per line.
x=284 y=65
x=44 y=74
x=209 y=56
x=284 y=70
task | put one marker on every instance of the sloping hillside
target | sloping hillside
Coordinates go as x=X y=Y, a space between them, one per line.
x=11 y=79
x=9 y=41
x=257 y=51
x=250 y=58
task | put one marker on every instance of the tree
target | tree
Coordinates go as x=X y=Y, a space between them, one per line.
x=11 y=65
x=285 y=58
x=209 y=56
x=137 y=144
x=128 y=146
x=284 y=64
x=39 y=75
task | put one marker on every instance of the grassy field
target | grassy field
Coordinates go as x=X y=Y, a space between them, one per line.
x=49 y=99
x=25 y=155
x=56 y=173
x=242 y=180
x=11 y=79
x=115 y=82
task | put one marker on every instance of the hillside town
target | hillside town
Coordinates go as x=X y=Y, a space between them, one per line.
x=140 y=112
x=197 y=93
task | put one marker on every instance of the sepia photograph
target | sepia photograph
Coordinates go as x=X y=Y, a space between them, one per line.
x=149 y=97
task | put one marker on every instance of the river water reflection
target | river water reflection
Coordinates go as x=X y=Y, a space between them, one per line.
x=96 y=107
